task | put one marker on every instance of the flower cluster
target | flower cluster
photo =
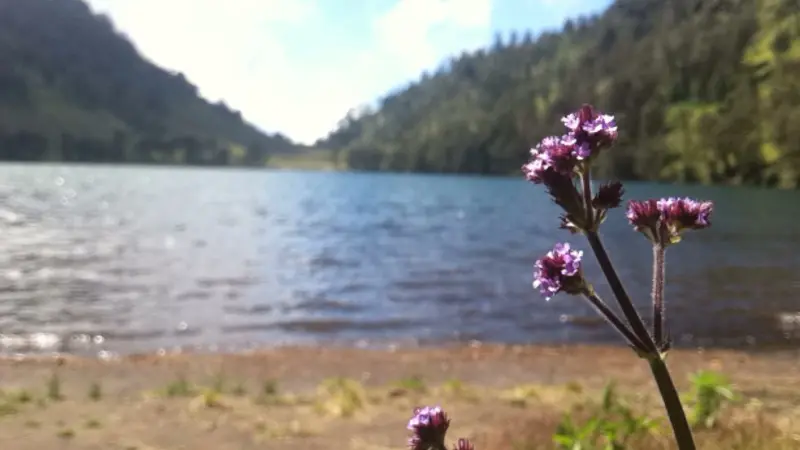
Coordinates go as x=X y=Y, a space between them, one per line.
x=588 y=133
x=563 y=166
x=591 y=130
x=559 y=270
x=429 y=426
x=556 y=161
x=663 y=221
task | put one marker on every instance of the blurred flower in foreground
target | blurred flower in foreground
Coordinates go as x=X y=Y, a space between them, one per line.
x=464 y=444
x=429 y=426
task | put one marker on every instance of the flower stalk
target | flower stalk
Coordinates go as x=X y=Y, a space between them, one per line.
x=623 y=299
x=659 y=311
x=603 y=309
x=672 y=403
x=556 y=163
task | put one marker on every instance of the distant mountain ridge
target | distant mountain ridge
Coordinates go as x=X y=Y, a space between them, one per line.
x=704 y=91
x=73 y=89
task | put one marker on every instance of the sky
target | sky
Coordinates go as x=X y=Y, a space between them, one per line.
x=298 y=66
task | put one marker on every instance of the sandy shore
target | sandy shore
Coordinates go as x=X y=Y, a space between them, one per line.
x=288 y=398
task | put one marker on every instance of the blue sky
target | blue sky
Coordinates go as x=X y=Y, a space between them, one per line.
x=298 y=66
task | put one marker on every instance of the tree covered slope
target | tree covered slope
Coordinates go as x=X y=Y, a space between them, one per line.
x=73 y=89
x=704 y=90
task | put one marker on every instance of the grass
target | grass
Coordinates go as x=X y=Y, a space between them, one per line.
x=180 y=387
x=308 y=159
x=408 y=385
x=340 y=397
x=520 y=396
x=66 y=433
x=54 y=388
x=539 y=412
x=93 y=424
x=239 y=390
x=95 y=393
x=209 y=398
x=457 y=389
x=755 y=433
x=8 y=408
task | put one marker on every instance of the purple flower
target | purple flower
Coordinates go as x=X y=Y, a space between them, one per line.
x=662 y=221
x=590 y=130
x=464 y=444
x=429 y=425
x=580 y=150
x=559 y=270
x=643 y=215
x=685 y=213
x=552 y=154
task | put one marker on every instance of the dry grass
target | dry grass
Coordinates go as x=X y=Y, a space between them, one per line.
x=307 y=399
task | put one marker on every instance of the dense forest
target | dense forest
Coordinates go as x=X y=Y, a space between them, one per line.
x=73 y=89
x=704 y=91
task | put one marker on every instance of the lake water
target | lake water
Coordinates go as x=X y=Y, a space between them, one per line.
x=114 y=260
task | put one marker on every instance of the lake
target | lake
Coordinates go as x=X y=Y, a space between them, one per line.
x=113 y=260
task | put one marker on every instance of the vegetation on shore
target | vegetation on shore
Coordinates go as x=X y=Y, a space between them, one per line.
x=527 y=417
x=707 y=91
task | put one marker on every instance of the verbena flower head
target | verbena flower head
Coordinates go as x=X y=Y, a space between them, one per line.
x=429 y=426
x=663 y=221
x=464 y=444
x=559 y=271
x=556 y=162
x=591 y=130
x=685 y=213
x=553 y=154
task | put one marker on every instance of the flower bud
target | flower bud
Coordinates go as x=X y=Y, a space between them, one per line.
x=608 y=196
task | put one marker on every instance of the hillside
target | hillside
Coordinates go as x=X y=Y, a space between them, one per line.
x=73 y=89
x=705 y=91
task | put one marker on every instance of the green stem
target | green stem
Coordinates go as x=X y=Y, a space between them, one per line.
x=615 y=321
x=672 y=403
x=625 y=303
x=659 y=310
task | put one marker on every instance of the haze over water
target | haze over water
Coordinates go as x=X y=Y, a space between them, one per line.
x=109 y=259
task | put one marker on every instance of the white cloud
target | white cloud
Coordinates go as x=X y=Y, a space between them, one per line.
x=271 y=59
x=405 y=30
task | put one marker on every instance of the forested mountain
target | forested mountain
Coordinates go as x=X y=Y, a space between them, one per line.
x=73 y=89
x=704 y=90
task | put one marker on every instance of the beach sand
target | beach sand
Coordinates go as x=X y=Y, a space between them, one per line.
x=289 y=398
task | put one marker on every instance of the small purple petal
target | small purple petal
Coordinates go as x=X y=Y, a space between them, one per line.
x=571 y=121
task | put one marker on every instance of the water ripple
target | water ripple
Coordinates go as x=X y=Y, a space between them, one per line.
x=112 y=259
